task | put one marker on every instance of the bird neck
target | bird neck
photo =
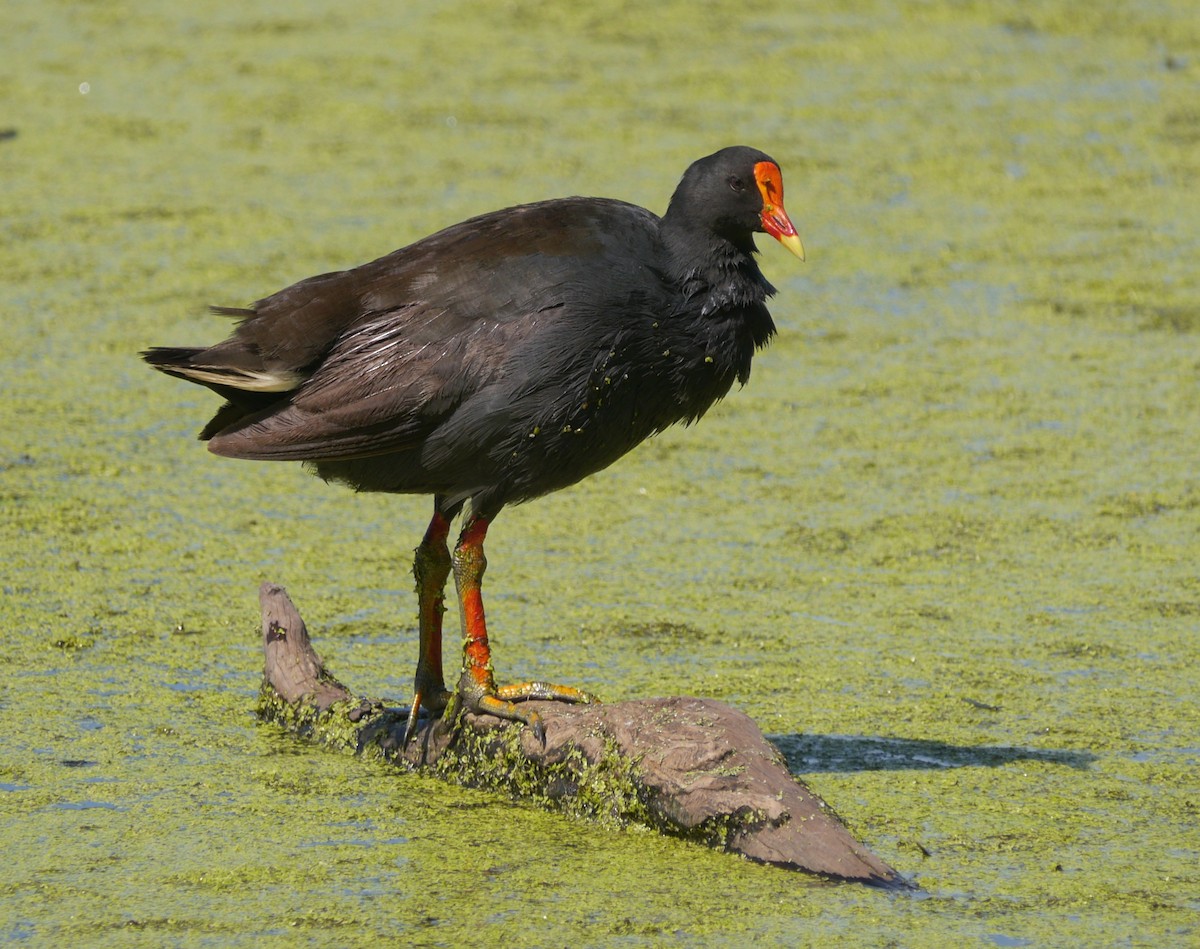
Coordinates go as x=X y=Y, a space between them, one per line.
x=713 y=273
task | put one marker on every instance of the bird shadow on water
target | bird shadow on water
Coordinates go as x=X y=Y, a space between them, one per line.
x=808 y=754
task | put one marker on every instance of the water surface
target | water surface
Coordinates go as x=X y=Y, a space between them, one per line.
x=942 y=547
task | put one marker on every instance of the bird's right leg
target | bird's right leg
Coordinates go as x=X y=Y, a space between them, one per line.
x=431 y=567
x=477 y=690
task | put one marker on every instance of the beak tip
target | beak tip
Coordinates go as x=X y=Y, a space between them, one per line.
x=793 y=243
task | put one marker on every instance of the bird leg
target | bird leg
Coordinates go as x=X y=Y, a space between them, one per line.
x=477 y=688
x=431 y=567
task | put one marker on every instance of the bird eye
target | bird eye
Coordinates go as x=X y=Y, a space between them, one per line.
x=736 y=183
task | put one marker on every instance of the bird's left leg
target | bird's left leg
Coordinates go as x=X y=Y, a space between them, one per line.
x=431 y=567
x=477 y=688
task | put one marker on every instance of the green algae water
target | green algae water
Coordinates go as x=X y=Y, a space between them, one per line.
x=942 y=547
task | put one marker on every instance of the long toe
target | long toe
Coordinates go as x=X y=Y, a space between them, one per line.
x=546 y=692
x=491 y=705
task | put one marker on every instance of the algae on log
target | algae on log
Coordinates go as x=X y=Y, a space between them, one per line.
x=687 y=767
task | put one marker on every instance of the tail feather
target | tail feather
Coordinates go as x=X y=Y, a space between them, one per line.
x=161 y=357
x=191 y=364
x=242 y=400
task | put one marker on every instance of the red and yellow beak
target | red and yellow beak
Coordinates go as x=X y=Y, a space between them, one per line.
x=774 y=218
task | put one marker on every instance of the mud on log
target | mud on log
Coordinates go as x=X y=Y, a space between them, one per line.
x=687 y=767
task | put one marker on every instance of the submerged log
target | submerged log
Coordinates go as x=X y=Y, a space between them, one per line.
x=687 y=767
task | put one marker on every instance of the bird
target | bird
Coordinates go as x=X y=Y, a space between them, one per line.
x=496 y=361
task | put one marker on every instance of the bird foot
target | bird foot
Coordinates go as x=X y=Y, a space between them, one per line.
x=500 y=701
x=432 y=701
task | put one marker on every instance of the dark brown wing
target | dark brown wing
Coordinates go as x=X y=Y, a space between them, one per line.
x=376 y=359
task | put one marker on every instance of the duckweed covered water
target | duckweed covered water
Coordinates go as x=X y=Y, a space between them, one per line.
x=943 y=546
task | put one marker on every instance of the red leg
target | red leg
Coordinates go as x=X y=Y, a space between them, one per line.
x=431 y=566
x=477 y=686
x=469 y=565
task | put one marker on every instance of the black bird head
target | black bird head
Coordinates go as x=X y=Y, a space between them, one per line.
x=732 y=194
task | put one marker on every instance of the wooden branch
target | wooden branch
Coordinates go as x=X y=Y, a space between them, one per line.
x=692 y=768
